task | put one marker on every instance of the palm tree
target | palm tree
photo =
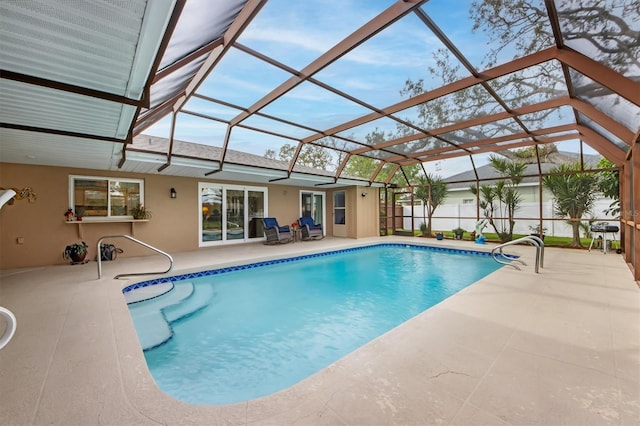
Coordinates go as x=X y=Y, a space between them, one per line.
x=574 y=194
x=432 y=190
x=503 y=197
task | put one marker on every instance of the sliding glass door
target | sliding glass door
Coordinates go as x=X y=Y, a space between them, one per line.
x=211 y=208
x=230 y=213
x=235 y=223
x=312 y=205
x=256 y=208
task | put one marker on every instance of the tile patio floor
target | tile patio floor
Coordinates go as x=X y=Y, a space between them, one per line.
x=517 y=348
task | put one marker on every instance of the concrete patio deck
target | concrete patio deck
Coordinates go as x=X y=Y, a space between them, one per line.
x=517 y=348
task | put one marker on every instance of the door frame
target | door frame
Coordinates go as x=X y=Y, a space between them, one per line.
x=323 y=194
x=339 y=229
x=225 y=188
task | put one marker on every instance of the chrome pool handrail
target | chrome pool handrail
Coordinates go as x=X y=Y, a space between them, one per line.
x=129 y=237
x=533 y=240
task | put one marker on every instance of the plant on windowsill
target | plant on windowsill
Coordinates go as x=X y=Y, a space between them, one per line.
x=75 y=252
x=139 y=212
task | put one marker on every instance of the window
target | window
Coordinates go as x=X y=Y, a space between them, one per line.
x=104 y=197
x=469 y=201
x=339 y=208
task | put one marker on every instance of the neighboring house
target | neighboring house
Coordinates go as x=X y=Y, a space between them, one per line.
x=460 y=210
x=529 y=188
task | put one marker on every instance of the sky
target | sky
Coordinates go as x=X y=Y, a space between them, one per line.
x=296 y=33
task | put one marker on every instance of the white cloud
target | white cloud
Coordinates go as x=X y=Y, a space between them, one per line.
x=307 y=39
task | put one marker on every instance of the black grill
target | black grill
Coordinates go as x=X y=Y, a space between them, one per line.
x=604 y=228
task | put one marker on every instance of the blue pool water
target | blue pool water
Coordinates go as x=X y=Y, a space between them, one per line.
x=252 y=332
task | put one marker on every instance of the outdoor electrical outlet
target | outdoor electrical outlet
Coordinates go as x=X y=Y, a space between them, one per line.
x=20 y=240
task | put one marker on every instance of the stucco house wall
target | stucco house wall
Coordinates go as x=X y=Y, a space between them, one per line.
x=35 y=234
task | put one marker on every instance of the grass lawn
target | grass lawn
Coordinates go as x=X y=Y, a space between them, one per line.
x=548 y=240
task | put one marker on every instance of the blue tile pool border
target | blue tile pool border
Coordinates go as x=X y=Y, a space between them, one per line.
x=294 y=259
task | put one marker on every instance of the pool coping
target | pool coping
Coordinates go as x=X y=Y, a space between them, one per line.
x=280 y=260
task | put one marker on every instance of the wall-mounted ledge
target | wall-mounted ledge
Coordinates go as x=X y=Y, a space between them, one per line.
x=81 y=223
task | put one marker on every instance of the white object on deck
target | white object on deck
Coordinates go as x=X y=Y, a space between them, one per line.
x=480 y=225
x=6 y=195
x=11 y=326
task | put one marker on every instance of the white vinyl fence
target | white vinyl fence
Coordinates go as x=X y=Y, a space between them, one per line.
x=451 y=216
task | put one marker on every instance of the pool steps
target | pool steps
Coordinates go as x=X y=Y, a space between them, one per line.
x=199 y=298
x=149 y=292
x=156 y=313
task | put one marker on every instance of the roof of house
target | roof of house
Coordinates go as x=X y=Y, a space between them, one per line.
x=487 y=172
x=155 y=144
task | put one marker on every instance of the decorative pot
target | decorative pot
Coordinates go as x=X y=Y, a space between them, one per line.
x=77 y=258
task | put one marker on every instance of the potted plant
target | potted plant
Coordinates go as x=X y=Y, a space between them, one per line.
x=538 y=231
x=458 y=233
x=75 y=252
x=139 y=212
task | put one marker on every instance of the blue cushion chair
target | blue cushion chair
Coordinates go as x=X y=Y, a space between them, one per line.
x=309 y=229
x=274 y=233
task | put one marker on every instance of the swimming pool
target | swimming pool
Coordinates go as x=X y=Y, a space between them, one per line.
x=235 y=334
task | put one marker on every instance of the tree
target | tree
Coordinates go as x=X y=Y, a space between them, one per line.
x=311 y=156
x=285 y=154
x=523 y=26
x=411 y=172
x=502 y=197
x=360 y=166
x=316 y=157
x=517 y=28
x=514 y=28
x=363 y=166
x=609 y=185
x=432 y=190
x=574 y=194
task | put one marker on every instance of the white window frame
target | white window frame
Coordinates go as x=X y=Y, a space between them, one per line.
x=225 y=187
x=72 y=203
x=343 y=208
x=323 y=194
